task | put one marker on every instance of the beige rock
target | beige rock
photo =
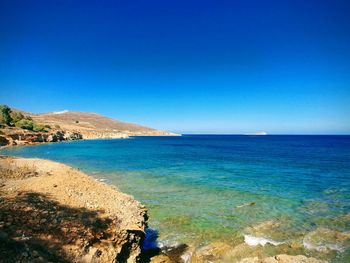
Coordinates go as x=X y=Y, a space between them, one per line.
x=282 y=259
x=161 y=259
x=212 y=252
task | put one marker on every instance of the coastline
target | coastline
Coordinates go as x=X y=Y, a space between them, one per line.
x=55 y=212
x=20 y=137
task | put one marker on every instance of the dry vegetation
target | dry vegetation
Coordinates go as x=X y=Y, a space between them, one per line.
x=87 y=123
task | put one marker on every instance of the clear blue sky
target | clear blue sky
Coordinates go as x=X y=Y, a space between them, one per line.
x=185 y=66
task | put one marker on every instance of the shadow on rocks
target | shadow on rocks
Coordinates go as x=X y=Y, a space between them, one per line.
x=151 y=249
x=34 y=228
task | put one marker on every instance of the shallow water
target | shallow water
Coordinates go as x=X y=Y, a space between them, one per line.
x=201 y=189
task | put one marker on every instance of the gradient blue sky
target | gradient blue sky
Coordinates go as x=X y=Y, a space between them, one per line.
x=185 y=66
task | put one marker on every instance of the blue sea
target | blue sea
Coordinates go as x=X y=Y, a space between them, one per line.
x=289 y=193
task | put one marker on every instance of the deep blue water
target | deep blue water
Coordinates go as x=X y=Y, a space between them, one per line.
x=197 y=187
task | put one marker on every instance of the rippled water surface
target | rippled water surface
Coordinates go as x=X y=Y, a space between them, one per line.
x=200 y=189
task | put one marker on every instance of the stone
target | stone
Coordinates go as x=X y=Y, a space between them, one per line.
x=295 y=245
x=35 y=253
x=213 y=251
x=161 y=259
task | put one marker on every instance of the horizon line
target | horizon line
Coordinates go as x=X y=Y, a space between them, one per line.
x=271 y=134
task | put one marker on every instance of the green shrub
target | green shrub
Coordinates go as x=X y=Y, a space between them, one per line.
x=17 y=116
x=38 y=127
x=25 y=124
x=5 y=117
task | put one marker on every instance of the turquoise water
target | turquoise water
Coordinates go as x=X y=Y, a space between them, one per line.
x=201 y=189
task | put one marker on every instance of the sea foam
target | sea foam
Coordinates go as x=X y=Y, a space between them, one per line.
x=255 y=241
x=322 y=248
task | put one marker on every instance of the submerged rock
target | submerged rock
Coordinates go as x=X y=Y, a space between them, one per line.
x=325 y=240
x=255 y=241
x=246 y=204
x=262 y=233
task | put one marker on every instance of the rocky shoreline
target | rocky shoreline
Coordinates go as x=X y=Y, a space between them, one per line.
x=18 y=137
x=14 y=137
x=51 y=212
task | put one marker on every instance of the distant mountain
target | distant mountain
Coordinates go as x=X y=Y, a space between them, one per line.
x=93 y=125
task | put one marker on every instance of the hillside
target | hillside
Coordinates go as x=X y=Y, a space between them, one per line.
x=19 y=128
x=93 y=125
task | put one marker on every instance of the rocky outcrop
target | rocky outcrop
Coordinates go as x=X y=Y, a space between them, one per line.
x=52 y=212
x=72 y=136
x=68 y=125
x=3 y=141
x=14 y=136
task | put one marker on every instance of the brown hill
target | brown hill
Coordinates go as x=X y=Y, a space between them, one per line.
x=92 y=125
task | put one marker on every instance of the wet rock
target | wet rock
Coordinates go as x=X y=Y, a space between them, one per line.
x=263 y=227
x=246 y=204
x=211 y=252
x=240 y=251
x=295 y=245
x=325 y=240
x=174 y=252
x=161 y=259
